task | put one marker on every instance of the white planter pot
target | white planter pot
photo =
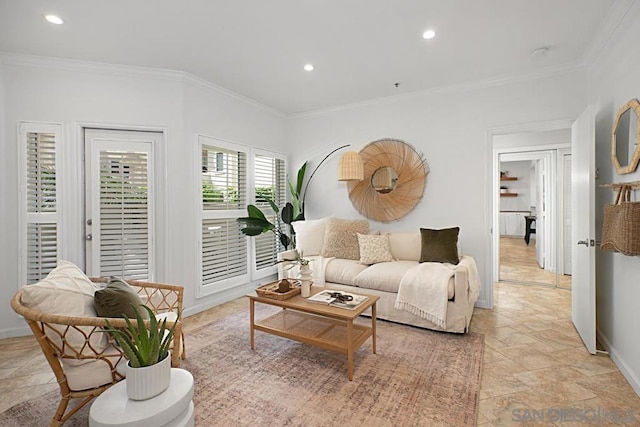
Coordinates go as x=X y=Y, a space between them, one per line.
x=149 y=381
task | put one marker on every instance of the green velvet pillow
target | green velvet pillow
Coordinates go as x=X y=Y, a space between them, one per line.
x=440 y=245
x=116 y=300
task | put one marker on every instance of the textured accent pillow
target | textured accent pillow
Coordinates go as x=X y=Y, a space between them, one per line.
x=341 y=239
x=440 y=245
x=118 y=299
x=310 y=235
x=66 y=291
x=374 y=248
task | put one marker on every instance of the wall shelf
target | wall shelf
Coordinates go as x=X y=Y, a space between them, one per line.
x=508 y=178
x=508 y=194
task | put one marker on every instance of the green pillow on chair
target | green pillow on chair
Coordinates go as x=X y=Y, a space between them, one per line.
x=118 y=299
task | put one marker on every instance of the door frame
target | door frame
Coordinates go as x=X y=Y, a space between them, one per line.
x=75 y=191
x=492 y=180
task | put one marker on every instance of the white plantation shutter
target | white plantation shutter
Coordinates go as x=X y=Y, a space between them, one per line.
x=224 y=181
x=269 y=180
x=124 y=214
x=224 y=249
x=40 y=233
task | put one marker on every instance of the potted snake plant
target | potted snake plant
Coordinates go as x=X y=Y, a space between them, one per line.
x=147 y=348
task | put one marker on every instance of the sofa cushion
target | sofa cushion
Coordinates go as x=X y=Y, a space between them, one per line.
x=340 y=238
x=384 y=276
x=342 y=271
x=310 y=235
x=405 y=246
x=374 y=248
x=440 y=245
x=66 y=291
x=118 y=299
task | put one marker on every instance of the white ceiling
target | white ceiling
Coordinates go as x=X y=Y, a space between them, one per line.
x=359 y=48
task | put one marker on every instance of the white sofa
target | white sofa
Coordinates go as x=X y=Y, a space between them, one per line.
x=383 y=279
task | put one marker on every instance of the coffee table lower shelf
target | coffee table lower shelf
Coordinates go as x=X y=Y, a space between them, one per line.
x=323 y=332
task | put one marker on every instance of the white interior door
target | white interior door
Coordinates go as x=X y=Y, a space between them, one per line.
x=541 y=213
x=567 y=242
x=119 y=203
x=583 y=286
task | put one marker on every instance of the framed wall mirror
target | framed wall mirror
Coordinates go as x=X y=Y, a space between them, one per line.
x=625 y=152
x=395 y=176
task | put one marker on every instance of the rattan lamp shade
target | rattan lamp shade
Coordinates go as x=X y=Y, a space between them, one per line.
x=350 y=167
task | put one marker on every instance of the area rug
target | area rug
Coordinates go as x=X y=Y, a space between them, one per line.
x=417 y=378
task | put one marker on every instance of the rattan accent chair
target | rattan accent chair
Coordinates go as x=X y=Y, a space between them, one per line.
x=65 y=355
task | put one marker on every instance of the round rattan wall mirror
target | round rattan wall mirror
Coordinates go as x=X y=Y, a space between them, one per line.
x=395 y=176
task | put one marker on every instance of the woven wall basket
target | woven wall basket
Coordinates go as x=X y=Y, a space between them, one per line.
x=411 y=170
x=621 y=224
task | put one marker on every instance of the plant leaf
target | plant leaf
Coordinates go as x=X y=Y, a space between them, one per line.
x=287 y=213
x=255 y=212
x=285 y=240
x=301 y=173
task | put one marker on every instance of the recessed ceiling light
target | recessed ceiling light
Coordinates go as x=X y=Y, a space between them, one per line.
x=308 y=67
x=429 y=34
x=54 y=19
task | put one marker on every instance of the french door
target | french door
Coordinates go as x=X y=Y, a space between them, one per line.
x=119 y=208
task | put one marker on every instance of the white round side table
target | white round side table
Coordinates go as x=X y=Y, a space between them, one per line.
x=171 y=408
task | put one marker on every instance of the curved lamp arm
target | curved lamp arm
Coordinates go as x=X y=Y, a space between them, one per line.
x=304 y=195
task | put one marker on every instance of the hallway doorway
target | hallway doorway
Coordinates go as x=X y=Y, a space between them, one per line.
x=533 y=216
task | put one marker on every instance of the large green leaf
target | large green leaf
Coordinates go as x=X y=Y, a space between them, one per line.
x=285 y=240
x=301 y=173
x=255 y=212
x=287 y=213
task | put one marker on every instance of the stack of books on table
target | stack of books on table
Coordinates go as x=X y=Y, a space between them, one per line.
x=333 y=299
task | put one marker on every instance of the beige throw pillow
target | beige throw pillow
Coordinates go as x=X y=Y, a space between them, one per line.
x=67 y=291
x=341 y=238
x=374 y=248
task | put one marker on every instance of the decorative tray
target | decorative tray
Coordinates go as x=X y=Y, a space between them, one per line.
x=270 y=290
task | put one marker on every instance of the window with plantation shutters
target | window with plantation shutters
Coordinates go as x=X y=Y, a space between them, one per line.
x=41 y=220
x=269 y=182
x=223 y=186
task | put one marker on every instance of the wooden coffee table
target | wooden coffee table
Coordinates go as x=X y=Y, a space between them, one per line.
x=319 y=325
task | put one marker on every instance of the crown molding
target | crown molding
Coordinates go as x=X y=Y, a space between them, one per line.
x=211 y=87
x=74 y=65
x=495 y=81
x=612 y=22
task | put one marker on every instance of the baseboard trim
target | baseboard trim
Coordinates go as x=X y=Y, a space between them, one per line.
x=619 y=361
x=218 y=299
x=15 y=332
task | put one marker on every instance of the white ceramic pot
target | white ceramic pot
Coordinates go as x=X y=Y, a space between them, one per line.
x=149 y=381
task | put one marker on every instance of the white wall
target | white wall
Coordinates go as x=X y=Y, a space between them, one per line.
x=613 y=80
x=522 y=171
x=458 y=191
x=74 y=93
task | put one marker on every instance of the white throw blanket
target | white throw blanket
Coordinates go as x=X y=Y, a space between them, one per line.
x=423 y=291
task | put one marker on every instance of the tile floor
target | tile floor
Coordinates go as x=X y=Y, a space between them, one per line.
x=518 y=263
x=534 y=363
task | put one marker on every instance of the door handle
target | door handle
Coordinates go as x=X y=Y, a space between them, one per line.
x=584 y=242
